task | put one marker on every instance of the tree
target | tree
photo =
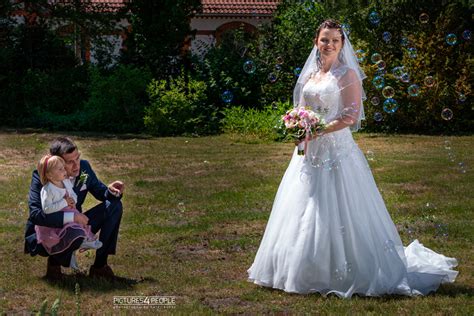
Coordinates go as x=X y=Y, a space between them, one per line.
x=159 y=33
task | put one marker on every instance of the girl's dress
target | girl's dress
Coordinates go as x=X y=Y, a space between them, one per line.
x=55 y=240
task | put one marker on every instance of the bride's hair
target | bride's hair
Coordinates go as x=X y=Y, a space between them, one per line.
x=330 y=24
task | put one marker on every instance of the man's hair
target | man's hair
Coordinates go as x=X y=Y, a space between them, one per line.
x=61 y=146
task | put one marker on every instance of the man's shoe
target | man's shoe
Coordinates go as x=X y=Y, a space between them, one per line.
x=103 y=272
x=53 y=272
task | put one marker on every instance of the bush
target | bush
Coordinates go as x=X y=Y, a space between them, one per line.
x=263 y=124
x=179 y=107
x=117 y=100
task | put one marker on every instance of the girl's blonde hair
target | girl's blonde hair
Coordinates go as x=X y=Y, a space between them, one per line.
x=46 y=164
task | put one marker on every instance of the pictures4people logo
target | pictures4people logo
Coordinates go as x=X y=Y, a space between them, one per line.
x=144 y=301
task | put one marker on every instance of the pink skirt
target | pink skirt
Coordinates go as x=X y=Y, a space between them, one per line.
x=57 y=240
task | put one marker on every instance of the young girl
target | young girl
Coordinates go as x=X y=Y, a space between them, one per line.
x=57 y=195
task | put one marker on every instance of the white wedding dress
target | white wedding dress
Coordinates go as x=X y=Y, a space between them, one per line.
x=329 y=230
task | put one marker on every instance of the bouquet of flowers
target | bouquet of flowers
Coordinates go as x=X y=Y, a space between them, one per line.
x=301 y=123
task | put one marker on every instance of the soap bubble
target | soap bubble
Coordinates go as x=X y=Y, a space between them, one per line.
x=370 y=155
x=338 y=275
x=446 y=114
x=381 y=64
x=316 y=162
x=378 y=82
x=347 y=28
x=386 y=36
x=467 y=35
x=424 y=18
x=374 y=18
x=405 y=77
x=389 y=245
x=278 y=67
x=272 y=77
x=461 y=97
x=404 y=41
x=375 y=100
x=412 y=53
x=413 y=90
x=388 y=92
x=390 y=106
x=181 y=207
x=305 y=177
x=249 y=67
x=297 y=71
x=398 y=71
x=429 y=81
x=279 y=60
x=360 y=54
x=378 y=117
x=348 y=267
x=349 y=115
x=227 y=96
x=451 y=39
x=375 y=58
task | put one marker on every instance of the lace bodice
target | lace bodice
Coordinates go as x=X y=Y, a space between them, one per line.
x=324 y=97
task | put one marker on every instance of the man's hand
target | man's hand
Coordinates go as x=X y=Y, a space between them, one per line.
x=116 y=188
x=81 y=219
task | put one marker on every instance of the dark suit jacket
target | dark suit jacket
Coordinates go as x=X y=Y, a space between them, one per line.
x=38 y=217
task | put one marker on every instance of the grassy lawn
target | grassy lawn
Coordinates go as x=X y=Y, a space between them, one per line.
x=195 y=210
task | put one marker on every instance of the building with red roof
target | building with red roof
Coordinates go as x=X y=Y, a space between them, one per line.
x=219 y=16
x=215 y=18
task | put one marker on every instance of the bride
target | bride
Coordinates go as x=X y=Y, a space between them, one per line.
x=329 y=230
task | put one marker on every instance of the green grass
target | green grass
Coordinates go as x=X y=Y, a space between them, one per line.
x=195 y=210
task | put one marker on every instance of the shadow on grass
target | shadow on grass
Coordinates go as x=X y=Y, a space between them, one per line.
x=447 y=290
x=455 y=289
x=88 y=284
